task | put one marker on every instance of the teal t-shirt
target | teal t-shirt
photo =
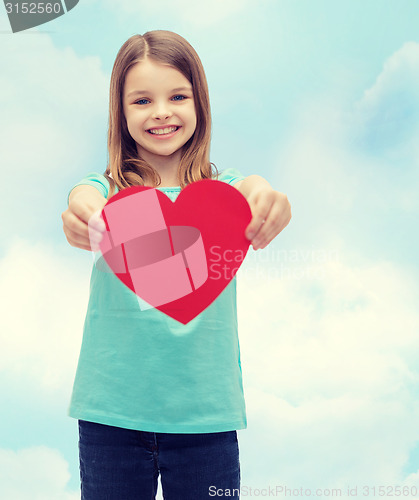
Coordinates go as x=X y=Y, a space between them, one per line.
x=140 y=369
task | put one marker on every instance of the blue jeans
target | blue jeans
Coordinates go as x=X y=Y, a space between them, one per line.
x=124 y=464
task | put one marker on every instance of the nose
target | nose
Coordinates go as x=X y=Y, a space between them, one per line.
x=161 y=112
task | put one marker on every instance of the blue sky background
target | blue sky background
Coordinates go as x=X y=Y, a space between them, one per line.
x=319 y=97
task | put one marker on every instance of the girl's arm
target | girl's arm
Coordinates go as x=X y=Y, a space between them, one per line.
x=85 y=203
x=271 y=210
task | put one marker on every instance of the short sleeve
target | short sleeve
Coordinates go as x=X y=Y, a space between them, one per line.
x=231 y=176
x=96 y=180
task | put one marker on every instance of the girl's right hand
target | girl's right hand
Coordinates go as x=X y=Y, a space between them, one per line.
x=82 y=223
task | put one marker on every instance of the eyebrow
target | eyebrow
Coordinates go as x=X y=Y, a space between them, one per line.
x=148 y=92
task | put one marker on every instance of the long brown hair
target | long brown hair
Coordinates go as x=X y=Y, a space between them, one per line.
x=125 y=165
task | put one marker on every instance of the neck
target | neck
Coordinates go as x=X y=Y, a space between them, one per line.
x=166 y=167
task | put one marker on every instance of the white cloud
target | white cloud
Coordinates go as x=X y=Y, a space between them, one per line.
x=328 y=349
x=400 y=74
x=330 y=372
x=344 y=177
x=328 y=326
x=358 y=324
x=387 y=114
x=45 y=295
x=38 y=473
x=51 y=102
x=326 y=442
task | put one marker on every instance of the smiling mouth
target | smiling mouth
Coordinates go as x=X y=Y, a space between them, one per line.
x=163 y=131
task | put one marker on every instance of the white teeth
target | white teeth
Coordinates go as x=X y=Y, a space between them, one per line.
x=163 y=131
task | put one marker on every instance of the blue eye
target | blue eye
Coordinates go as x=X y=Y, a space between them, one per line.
x=139 y=101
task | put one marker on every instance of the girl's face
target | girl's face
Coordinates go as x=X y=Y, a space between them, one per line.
x=156 y=99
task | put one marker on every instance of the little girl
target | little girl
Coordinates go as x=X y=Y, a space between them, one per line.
x=153 y=396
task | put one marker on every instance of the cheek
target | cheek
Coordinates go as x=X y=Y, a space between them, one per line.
x=134 y=122
x=190 y=116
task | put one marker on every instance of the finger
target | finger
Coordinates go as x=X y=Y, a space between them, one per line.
x=92 y=241
x=264 y=241
x=78 y=244
x=261 y=236
x=76 y=239
x=87 y=214
x=256 y=224
x=74 y=224
x=77 y=230
x=260 y=211
x=272 y=230
x=85 y=247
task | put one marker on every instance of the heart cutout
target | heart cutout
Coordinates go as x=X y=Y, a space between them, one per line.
x=176 y=256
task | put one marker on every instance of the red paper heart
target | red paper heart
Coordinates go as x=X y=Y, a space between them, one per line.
x=190 y=249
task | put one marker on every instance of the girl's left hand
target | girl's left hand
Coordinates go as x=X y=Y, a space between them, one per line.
x=271 y=213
